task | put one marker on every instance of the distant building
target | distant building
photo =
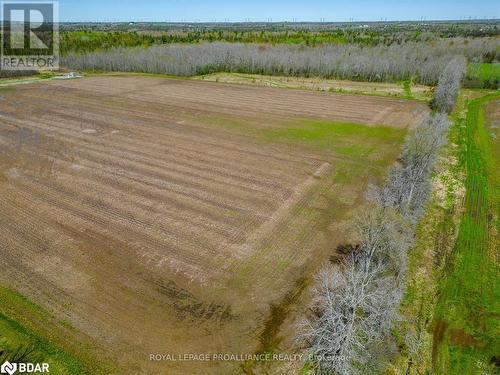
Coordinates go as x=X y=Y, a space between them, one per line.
x=69 y=75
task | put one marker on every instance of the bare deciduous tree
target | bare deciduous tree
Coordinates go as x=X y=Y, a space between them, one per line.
x=408 y=185
x=449 y=84
x=423 y=61
x=355 y=304
x=354 y=307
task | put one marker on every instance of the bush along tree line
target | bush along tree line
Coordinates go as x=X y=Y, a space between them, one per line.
x=421 y=62
x=356 y=301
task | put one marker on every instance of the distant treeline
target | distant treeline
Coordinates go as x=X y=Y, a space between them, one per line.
x=421 y=61
x=94 y=37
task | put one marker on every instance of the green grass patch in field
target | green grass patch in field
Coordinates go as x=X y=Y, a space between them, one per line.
x=324 y=133
x=21 y=344
x=355 y=141
x=30 y=334
x=8 y=83
x=467 y=330
x=358 y=142
x=407 y=88
x=307 y=369
x=483 y=76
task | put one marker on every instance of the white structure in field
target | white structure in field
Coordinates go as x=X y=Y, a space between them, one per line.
x=70 y=75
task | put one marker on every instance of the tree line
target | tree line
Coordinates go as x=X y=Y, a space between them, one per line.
x=89 y=41
x=93 y=37
x=356 y=302
x=423 y=61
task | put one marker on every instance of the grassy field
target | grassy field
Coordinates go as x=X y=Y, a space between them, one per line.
x=450 y=309
x=467 y=335
x=482 y=75
x=203 y=205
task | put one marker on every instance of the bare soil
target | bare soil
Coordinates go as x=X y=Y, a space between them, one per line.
x=133 y=210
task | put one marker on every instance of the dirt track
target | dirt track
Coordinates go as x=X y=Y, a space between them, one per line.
x=137 y=211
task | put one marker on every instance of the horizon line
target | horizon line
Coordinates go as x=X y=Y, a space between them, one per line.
x=463 y=20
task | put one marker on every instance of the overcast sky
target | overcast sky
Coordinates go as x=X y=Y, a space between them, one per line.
x=281 y=10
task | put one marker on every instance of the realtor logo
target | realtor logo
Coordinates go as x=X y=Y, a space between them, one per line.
x=8 y=368
x=30 y=35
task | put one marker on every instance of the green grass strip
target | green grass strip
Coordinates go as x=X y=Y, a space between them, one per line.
x=467 y=335
x=29 y=334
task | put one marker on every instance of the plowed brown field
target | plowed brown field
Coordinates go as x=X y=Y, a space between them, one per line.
x=167 y=216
